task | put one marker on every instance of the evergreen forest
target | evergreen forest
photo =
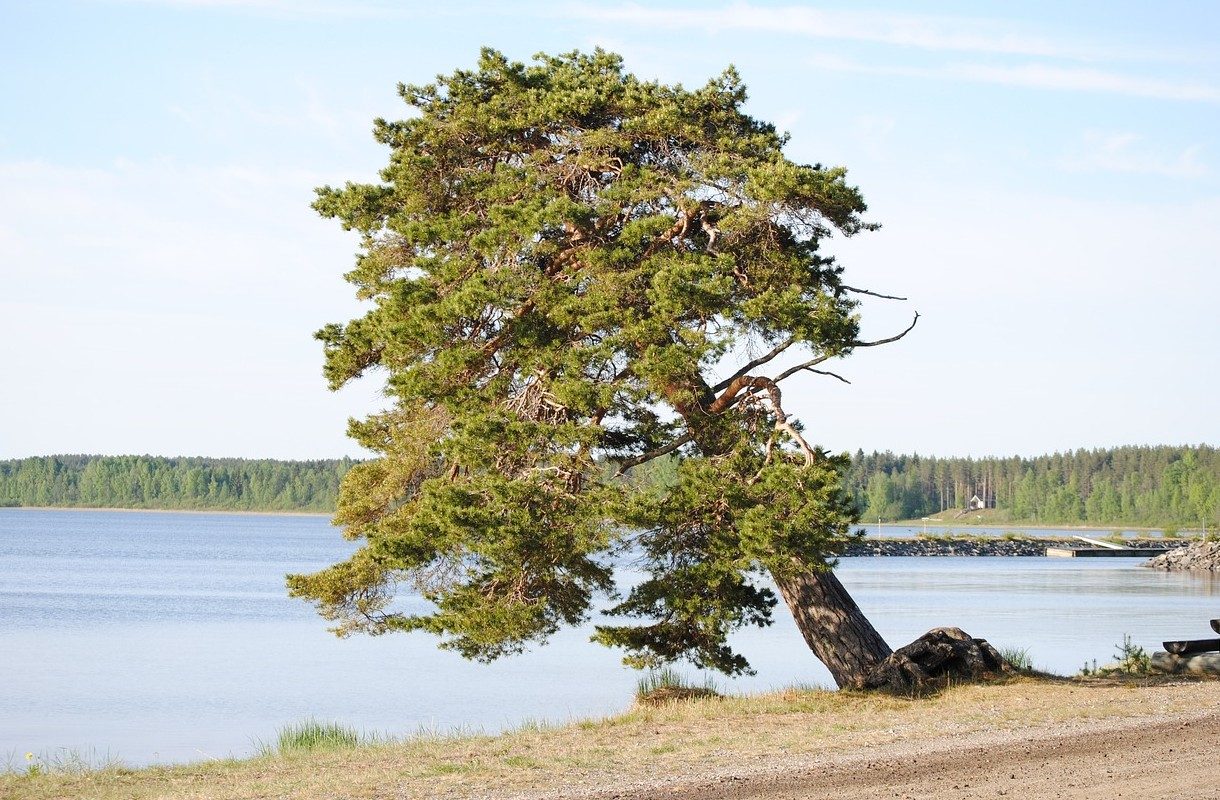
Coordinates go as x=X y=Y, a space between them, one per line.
x=217 y=484
x=1160 y=486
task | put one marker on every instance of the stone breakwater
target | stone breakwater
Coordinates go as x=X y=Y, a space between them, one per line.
x=1199 y=556
x=982 y=546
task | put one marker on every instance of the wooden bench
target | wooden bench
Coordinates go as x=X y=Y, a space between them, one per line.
x=1187 y=647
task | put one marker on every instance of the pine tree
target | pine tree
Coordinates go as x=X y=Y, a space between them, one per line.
x=560 y=259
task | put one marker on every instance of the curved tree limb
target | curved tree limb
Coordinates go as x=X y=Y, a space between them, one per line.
x=758 y=362
x=635 y=461
x=826 y=357
x=751 y=383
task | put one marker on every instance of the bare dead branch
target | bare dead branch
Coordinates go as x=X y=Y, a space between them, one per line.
x=826 y=357
x=750 y=383
x=803 y=366
x=854 y=290
x=782 y=424
x=829 y=373
x=908 y=329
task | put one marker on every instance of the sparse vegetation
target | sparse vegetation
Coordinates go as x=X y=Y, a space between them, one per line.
x=1130 y=659
x=666 y=685
x=695 y=737
x=312 y=734
x=62 y=761
x=1018 y=657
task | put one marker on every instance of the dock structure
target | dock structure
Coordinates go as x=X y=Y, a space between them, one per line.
x=1105 y=552
x=1099 y=549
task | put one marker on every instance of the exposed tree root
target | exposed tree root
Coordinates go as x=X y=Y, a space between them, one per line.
x=940 y=655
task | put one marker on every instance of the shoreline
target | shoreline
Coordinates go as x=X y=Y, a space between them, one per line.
x=1033 y=736
x=172 y=511
x=986 y=546
x=1032 y=526
x=912 y=524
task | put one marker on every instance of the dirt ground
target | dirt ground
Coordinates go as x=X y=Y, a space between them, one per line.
x=1177 y=758
x=1029 y=738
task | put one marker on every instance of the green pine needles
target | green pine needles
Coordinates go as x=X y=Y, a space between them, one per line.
x=564 y=265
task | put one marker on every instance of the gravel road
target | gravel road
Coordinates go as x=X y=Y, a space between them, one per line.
x=1150 y=758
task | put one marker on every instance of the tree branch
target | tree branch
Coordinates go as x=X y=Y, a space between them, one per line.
x=829 y=373
x=758 y=362
x=894 y=338
x=752 y=383
x=854 y=290
x=635 y=461
x=852 y=345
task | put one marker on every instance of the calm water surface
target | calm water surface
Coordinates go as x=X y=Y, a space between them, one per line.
x=169 y=637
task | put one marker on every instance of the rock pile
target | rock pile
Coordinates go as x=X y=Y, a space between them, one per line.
x=1200 y=556
x=964 y=546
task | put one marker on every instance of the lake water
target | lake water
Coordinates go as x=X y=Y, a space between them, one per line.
x=168 y=637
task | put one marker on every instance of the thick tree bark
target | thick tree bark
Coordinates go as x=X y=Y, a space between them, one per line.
x=835 y=629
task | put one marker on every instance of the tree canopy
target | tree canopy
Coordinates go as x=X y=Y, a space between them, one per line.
x=565 y=265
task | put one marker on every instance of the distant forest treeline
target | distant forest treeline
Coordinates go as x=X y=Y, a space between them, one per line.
x=1144 y=486
x=225 y=484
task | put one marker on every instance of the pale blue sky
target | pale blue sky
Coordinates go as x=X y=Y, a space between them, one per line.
x=1046 y=175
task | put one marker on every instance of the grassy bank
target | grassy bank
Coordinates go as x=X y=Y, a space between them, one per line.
x=991 y=518
x=702 y=737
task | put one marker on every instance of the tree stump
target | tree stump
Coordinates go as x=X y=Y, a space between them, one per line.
x=939 y=655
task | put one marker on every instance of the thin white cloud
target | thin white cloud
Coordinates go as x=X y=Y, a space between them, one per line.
x=224 y=114
x=295 y=9
x=1037 y=76
x=936 y=33
x=1126 y=153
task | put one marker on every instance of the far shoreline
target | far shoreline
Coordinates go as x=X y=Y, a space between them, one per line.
x=1038 y=526
x=867 y=526
x=233 y=512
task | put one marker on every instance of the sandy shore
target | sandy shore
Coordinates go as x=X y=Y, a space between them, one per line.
x=1028 y=739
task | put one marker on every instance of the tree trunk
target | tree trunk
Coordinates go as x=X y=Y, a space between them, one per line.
x=828 y=618
x=835 y=629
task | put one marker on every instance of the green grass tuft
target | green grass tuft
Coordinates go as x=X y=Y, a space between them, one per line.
x=312 y=734
x=665 y=684
x=1018 y=657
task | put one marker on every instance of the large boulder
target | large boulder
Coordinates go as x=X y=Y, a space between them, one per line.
x=1198 y=556
x=940 y=655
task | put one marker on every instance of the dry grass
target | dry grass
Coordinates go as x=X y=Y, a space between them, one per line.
x=674 y=739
